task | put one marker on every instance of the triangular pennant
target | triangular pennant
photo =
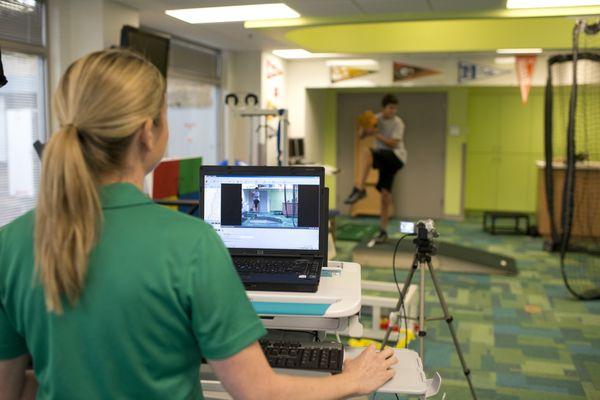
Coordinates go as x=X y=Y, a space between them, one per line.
x=341 y=73
x=273 y=70
x=524 y=66
x=472 y=71
x=404 y=72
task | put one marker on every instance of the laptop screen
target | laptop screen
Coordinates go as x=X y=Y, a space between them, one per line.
x=264 y=212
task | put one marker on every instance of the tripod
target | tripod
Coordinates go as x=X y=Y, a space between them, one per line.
x=425 y=248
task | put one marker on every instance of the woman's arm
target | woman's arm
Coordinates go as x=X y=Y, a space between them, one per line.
x=15 y=382
x=247 y=375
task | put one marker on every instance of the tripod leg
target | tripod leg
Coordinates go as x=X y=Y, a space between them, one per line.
x=449 y=319
x=403 y=292
x=422 y=331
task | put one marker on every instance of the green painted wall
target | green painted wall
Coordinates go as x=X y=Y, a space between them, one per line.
x=504 y=139
x=501 y=139
x=329 y=138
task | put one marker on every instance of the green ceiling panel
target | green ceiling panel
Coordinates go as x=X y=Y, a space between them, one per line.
x=437 y=36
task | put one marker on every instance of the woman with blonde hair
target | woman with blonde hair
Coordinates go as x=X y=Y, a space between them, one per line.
x=111 y=296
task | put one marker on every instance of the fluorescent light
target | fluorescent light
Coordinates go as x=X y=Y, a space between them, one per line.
x=550 y=3
x=504 y=60
x=293 y=54
x=519 y=51
x=353 y=63
x=208 y=15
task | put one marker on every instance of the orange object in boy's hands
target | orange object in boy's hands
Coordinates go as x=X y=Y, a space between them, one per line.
x=367 y=121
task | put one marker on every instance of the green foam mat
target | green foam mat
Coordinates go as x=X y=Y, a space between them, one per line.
x=355 y=232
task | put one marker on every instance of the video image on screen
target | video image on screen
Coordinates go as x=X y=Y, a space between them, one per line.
x=270 y=206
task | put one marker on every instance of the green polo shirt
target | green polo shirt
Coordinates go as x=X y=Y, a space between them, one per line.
x=161 y=293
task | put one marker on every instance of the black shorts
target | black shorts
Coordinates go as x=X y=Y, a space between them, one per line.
x=388 y=163
x=256 y=202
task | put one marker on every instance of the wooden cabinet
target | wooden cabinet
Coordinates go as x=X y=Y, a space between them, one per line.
x=586 y=210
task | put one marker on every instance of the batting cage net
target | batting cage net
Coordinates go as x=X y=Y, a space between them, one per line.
x=572 y=156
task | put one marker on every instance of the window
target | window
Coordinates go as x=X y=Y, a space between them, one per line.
x=22 y=106
x=192 y=116
x=193 y=99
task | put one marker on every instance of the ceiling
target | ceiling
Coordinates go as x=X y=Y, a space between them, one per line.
x=233 y=36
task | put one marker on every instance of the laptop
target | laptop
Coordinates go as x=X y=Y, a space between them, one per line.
x=273 y=220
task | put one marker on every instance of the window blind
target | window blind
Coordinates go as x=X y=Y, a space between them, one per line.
x=194 y=62
x=22 y=21
x=22 y=107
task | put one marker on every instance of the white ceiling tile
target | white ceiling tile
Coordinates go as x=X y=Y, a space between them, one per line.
x=393 y=6
x=467 y=5
x=234 y=36
x=323 y=8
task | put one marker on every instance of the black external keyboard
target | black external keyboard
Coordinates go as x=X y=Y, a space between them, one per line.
x=261 y=265
x=324 y=357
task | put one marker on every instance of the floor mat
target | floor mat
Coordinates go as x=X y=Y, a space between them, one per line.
x=355 y=232
x=450 y=257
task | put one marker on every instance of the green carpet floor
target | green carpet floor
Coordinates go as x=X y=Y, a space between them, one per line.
x=524 y=336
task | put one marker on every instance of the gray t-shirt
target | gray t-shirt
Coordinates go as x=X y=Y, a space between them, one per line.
x=391 y=128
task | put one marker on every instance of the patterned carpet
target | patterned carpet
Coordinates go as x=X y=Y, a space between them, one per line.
x=524 y=336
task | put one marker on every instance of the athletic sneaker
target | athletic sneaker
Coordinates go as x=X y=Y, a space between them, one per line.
x=355 y=196
x=381 y=237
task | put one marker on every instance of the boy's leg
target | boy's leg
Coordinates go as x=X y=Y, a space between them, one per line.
x=358 y=191
x=366 y=166
x=386 y=202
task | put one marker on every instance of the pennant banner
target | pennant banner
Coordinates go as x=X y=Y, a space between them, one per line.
x=403 y=72
x=342 y=73
x=273 y=70
x=525 y=66
x=472 y=72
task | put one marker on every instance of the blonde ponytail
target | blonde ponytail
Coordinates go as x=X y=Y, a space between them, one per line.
x=101 y=101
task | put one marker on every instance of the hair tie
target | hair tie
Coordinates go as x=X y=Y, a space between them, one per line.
x=69 y=127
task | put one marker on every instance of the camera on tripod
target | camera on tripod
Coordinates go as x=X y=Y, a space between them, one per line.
x=423 y=229
x=425 y=232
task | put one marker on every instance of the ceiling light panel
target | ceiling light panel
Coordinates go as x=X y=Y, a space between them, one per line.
x=550 y=3
x=252 y=12
x=519 y=51
x=296 y=54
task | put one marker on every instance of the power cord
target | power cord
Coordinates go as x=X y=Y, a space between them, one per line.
x=403 y=308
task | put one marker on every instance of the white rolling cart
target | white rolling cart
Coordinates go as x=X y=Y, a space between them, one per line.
x=334 y=308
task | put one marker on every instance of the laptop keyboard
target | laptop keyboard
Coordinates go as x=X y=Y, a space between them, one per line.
x=260 y=265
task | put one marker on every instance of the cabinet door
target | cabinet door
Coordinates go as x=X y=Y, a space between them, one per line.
x=484 y=122
x=481 y=176
x=516 y=190
x=522 y=124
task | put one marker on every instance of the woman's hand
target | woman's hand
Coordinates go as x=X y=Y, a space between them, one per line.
x=371 y=369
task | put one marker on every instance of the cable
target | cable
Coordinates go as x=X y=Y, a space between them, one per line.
x=402 y=307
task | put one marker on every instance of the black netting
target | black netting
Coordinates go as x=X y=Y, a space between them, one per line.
x=572 y=179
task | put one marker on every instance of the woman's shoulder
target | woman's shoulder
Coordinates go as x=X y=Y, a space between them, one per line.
x=19 y=227
x=179 y=223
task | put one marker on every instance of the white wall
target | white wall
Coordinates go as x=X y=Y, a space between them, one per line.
x=241 y=75
x=116 y=15
x=78 y=27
